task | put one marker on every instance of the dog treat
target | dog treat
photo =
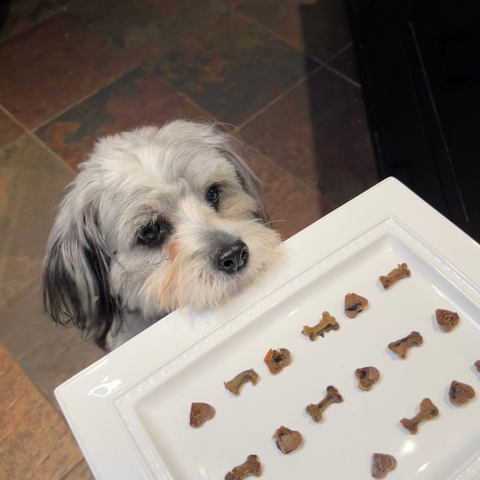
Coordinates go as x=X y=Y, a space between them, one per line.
x=427 y=411
x=446 y=319
x=277 y=360
x=252 y=467
x=395 y=275
x=326 y=324
x=200 y=413
x=460 y=393
x=400 y=347
x=367 y=377
x=316 y=410
x=354 y=304
x=287 y=440
x=382 y=464
x=477 y=364
x=236 y=383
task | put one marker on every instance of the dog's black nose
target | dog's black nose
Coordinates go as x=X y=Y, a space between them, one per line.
x=231 y=258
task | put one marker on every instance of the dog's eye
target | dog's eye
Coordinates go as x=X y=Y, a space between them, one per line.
x=151 y=232
x=213 y=195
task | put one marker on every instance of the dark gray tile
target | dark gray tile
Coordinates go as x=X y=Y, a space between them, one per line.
x=233 y=68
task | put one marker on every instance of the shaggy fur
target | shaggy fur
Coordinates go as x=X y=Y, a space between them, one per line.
x=107 y=270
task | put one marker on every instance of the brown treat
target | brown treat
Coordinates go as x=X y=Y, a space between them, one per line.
x=277 y=360
x=446 y=319
x=400 y=347
x=326 y=324
x=316 y=410
x=477 y=364
x=460 y=393
x=287 y=440
x=395 y=275
x=427 y=411
x=200 y=413
x=236 y=383
x=354 y=304
x=367 y=377
x=252 y=467
x=382 y=464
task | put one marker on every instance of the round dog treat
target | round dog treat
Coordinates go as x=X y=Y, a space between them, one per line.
x=354 y=304
x=446 y=319
x=277 y=360
x=460 y=393
x=287 y=440
x=382 y=464
x=367 y=377
x=200 y=413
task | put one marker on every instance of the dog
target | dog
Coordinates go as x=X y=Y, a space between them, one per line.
x=157 y=219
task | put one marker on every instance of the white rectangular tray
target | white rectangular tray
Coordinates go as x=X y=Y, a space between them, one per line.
x=129 y=411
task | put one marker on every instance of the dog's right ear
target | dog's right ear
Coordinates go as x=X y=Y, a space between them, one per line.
x=76 y=278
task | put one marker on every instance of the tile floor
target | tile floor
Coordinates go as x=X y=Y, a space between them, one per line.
x=282 y=71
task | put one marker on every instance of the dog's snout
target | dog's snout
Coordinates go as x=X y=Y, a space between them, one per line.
x=231 y=258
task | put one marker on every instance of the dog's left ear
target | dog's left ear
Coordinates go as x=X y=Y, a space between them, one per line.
x=235 y=152
x=76 y=277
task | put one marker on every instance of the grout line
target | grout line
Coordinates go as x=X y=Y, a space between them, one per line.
x=57 y=9
x=91 y=94
x=276 y=99
x=279 y=37
x=308 y=55
x=340 y=74
x=74 y=467
x=290 y=174
x=30 y=134
x=343 y=49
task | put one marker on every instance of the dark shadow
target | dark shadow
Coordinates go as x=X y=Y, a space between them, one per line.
x=342 y=150
x=5 y=6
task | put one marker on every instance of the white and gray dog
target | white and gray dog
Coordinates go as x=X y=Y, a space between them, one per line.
x=156 y=219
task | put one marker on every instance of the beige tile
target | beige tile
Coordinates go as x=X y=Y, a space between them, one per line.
x=49 y=354
x=35 y=441
x=32 y=181
x=80 y=472
x=9 y=130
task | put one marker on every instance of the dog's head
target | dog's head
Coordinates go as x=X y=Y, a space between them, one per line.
x=156 y=219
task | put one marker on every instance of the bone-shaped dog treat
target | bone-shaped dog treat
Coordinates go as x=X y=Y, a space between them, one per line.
x=235 y=384
x=460 y=393
x=252 y=467
x=477 y=365
x=326 y=324
x=277 y=360
x=395 y=275
x=446 y=319
x=382 y=464
x=200 y=413
x=427 y=411
x=400 y=347
x=354 y=304
x=316 y=410
x=287 y=440
x=367 y=377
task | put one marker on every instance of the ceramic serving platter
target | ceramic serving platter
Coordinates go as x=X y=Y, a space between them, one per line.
x=130 y=410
